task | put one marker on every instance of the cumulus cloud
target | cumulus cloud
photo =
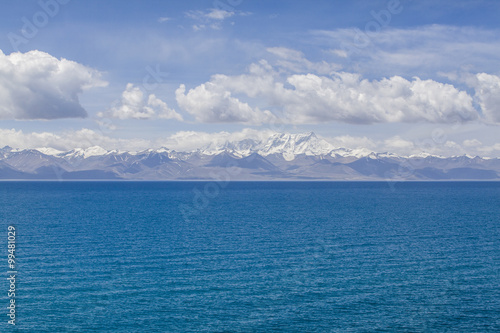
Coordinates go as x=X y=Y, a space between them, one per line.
x=133 y=105
x=311 y=98
x=36 y=85
x=347 y=97
x=487 y=94
x=213 y=103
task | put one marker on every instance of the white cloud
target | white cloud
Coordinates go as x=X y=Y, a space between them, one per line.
x=133 y=105
x=406 y=147
x=67 y=140
x=208 y=15
x=260 y=81
x=161 y=108
x=213 y=103
x=35 y=85
x=191 y=140
x=472 y=143
x=349 y=98
x=493 y=150
x=352 y=142
x=342 y=97
x=398 y=143
x=86 y=138
x=395 y=144
x=211 y=18
x=487 y=89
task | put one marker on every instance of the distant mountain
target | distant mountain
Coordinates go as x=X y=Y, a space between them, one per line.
x=280 y=157
x=287 y=145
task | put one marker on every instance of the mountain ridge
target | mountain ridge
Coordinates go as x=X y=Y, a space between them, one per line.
x=282 y=156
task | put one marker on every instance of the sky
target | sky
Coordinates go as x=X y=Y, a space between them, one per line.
x=401 y=76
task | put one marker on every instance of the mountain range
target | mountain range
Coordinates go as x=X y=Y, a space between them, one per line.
x=280 y=157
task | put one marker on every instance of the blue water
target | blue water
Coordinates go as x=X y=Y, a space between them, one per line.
x=253 y=257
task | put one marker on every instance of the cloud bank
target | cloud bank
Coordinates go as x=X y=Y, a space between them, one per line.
x=341 y=97
x=67 y=140
x=35 y=85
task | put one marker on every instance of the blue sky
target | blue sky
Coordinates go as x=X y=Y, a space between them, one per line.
x=404 y=76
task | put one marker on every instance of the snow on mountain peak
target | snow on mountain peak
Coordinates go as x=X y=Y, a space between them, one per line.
x=86 y=153
x=286 y=144
x=240 y=148
x=290 y=145
x=49 y=151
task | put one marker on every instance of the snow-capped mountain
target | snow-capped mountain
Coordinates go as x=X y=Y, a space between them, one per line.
x=280 y=157
x=291 y=145
x=287 y=145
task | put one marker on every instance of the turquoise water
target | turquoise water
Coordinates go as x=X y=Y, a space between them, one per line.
x=253 y=257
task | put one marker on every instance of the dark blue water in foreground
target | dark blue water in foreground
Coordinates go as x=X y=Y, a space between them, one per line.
x=253 y=257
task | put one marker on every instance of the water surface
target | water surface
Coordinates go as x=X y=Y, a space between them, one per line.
x=254 y=257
